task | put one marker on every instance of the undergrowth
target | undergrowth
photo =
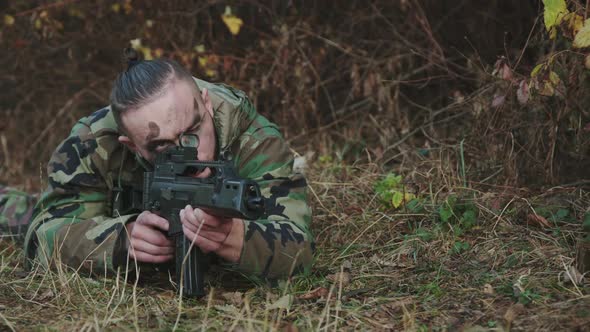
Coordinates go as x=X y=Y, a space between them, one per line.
x=456 y=258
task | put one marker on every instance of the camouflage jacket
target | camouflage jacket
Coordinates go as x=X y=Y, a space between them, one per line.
x=72 y=221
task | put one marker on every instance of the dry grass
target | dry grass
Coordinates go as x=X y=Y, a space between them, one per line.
x=376 y=269
x=374 y=87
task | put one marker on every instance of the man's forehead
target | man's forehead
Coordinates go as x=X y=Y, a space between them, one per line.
x=179 y=119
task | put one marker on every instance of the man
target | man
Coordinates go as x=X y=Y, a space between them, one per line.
x=153 y=103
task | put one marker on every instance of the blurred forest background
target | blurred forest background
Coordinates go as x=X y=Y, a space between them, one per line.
x=447 y=147
x=379 y=80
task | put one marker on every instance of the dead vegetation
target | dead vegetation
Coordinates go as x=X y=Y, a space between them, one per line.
x=430 y=90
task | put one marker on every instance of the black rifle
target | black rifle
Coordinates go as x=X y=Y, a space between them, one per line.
x=169 y=187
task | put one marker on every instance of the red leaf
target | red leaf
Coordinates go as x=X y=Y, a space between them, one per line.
x=319 y=292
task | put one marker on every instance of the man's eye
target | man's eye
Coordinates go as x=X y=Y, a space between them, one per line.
x=159 y=147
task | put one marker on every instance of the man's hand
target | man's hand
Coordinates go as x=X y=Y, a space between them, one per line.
x=214 y=230
x=224 y=236
x=147 y=242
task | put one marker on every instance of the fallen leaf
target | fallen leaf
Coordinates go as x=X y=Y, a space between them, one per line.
x=319 y=292
x=582 y=38
x=513 y=312
x=300 y=164
x=92 y=281
x=227 y=308
x=517 y=288
x=235 y=298
x=340 y=277
x=505 y=72
x=282 y=303
x=575 y=23
x=538 y=220
x=488 y=289
x=572 y=275
x=48 y=294
x=498 y=100
x=523 y=92
x=347 y=265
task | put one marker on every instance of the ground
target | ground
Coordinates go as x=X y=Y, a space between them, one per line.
x=478 y=258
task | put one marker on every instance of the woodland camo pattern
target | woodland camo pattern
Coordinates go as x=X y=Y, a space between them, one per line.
x=72 y=221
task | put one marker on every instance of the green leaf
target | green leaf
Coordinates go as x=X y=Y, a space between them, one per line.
x=415 y=206
x=554 y=12
x=468 y=219
x=459 y=247
x=445 y=211
x=582 y=38
x=388 y=186
x=562 y=213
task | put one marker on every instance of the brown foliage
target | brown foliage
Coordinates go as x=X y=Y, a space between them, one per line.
x=389 y=81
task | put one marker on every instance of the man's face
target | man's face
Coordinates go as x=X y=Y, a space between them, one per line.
x=180 y=109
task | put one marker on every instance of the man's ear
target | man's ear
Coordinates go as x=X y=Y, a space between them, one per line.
x=128 y=143
x=207 y=101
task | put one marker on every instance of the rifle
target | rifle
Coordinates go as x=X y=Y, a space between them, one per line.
x=168 y=188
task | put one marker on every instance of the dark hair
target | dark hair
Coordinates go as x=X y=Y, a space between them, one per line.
x=141 y=82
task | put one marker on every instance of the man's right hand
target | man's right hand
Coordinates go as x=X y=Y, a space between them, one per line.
x=147 y=242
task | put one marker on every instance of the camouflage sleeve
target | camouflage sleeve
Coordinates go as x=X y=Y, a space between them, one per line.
x=281 y=243
x=70 y=223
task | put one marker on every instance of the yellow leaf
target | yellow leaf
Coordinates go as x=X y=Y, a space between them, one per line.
x=582 y=38
x=400 y=198
x=233 y=23
x=547 y=89
x=199 y=48
x=554 y=78
x=202 y=61
x=210 y=72
x=408 y=197
x=37 y=24
x=116 y=7
x=147 y=53
x=536 y=70
x=554 y=12
x=552 y=33
x=397 y=199
x=8 y=20
x=575 y=23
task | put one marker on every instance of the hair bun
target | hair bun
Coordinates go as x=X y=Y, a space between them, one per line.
x=131 y=57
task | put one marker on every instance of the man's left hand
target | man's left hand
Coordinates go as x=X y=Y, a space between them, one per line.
x=214 y=230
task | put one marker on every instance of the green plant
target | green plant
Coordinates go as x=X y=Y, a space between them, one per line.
x=393 y=192
x=460 y=247
x=459 y=214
